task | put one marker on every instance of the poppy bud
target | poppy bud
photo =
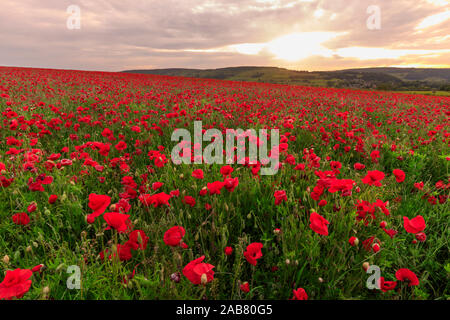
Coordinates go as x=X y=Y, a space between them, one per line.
x=6 y=259
x=376 y=247
x=175 y=277
x=277 y=231
x=354 y=241
x=288 y=262
x=320 y=280
x=204 y=279
x=112 y=207
x=29 y=249
x=45 y=291
x=365 y=266
x=383 y=224
x=181 y=176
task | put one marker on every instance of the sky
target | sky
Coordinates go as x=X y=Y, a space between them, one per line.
x=115 y=35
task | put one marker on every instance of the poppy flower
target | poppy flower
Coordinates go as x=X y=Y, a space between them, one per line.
x=189 y=201
x=32 y=207
x=399 y=175
x=121 y=146
x=414 y=225
x=231 y=183
x=226 y=170
x=359 y=166
x=118 y=221
x=318 y=224
x=198 y=272
x=215 y=187
x=373 y=178
x=280 y=196
x=253 y=252
x=405 y=274
x=418 y=185
x=387 y=285
x=245 y=287
x=421 y=236
x=37 y=268
x=198 y=174
x=353 y=241
x=157 y=185
x=156 y=200
x=21 y=218
x=124 y=251
x=299 y=294
x=52 y=199
x=174 y=235
x=15 y=284
x=228 y=251
x=98 y=203
x=138 y=240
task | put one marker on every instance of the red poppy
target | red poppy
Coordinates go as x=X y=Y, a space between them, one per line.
x=98 y=203
x=215 y=187
x=414 y=225
x=174 y=235
x=231 y=183
x=52 y=199
x=138 y=240
x=16 y=283
x=387 y=285
x=318 y=224
x=399 y=175
x=228 y=251
x=121 y=146
x=253 y=252
x=21 y=218
x=156 y=200
x=198 y=174
x=299 y=294
x=405 y=274
x=373 y=178
x=245 y=287
x=280 y=196
x=226 y=170
x=353 y=241
x=189 y=201
x=358 y=166
x=196 y=271
x=118 y=221
x=32 y=207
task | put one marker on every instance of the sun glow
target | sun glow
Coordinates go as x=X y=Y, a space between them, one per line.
x=291 y=47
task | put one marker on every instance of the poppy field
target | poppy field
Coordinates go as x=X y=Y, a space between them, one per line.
x=93 y=207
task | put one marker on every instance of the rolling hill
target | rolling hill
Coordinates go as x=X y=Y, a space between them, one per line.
x=383 y=78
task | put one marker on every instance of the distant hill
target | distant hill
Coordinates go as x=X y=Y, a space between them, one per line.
x=382 y=78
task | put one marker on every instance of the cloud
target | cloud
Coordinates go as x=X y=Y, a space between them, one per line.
x=306 y=34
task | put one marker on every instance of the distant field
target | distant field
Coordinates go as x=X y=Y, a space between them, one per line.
x=386 y=79
x=428 y=93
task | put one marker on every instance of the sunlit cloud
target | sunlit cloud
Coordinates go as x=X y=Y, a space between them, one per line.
x=434 y=20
